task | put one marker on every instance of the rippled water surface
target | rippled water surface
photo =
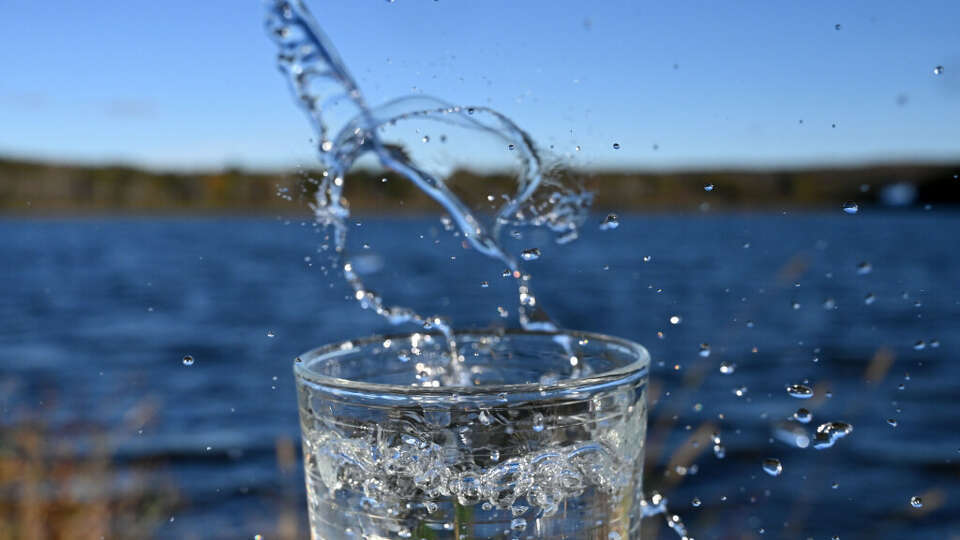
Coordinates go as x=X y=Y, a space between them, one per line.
x=96 y=316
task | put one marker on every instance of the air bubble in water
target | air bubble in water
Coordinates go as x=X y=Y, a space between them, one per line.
x=704 y=350
x=614 y=536
x=610 y=222
x=187 y=360
x=616 y=146
x=772 y=466
x=695 y=502
x=837 y=26
x=800 y=391
x=708 y=187
x=538 y=422
x=938 y=70
x=892 y=421
x=919 y=345
x=916 y=502
x=851 y=207
x=869 y=299
x=270 y=334
x=802 y=415
x=531 y=254
x=727 y=368
x=518 y=524
x=864 y=268
x=675 y=319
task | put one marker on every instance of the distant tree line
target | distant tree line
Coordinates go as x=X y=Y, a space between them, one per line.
x=34 y=187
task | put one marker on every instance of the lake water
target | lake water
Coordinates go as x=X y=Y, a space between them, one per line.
x=97 y=314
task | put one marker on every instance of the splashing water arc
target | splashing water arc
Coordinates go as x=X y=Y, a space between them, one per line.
x=544 y=196
x=322 y=86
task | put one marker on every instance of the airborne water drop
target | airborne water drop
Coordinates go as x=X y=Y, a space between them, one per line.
x=772 y=466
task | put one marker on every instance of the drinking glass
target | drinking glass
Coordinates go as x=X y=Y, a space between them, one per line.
x=522 y=435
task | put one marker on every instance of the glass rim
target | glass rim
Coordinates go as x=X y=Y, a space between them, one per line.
x=302 y=371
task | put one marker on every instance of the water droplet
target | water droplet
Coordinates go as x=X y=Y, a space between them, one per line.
x=616 y=146
x=538 y=422
x=708 y=187
x=934 y=344
x=837 y=26
x=864 y=268
x=610 y=222
x=695 y=502
x=772 y=466
x=719 y=451
x=270 y=333
x=675 y=319
x=803 y=416
x=916 y=502
x=740 y=392
x=704 y=350
x=795 y=305
x=799 y=391
x=919 y=345
x=829 y=433
x=531 y=254
x=938 y=70
x=426 y=138
x=484 y=284
x=511 y=146
x=869 y=299
x=727 y=368
x=892 y=421
x=187 y=360
x=851 y=207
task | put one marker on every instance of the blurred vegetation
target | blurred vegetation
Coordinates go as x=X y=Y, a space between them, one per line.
x=51 y=490
x=33 y=187
x=57 y=485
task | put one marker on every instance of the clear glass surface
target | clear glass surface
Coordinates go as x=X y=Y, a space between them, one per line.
x=526 y=435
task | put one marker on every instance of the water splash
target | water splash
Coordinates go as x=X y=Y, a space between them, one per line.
x=348 y=129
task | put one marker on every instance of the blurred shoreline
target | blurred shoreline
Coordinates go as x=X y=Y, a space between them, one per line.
x=34 y=188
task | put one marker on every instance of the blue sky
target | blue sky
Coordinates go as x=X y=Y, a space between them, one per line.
x=178 y=84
